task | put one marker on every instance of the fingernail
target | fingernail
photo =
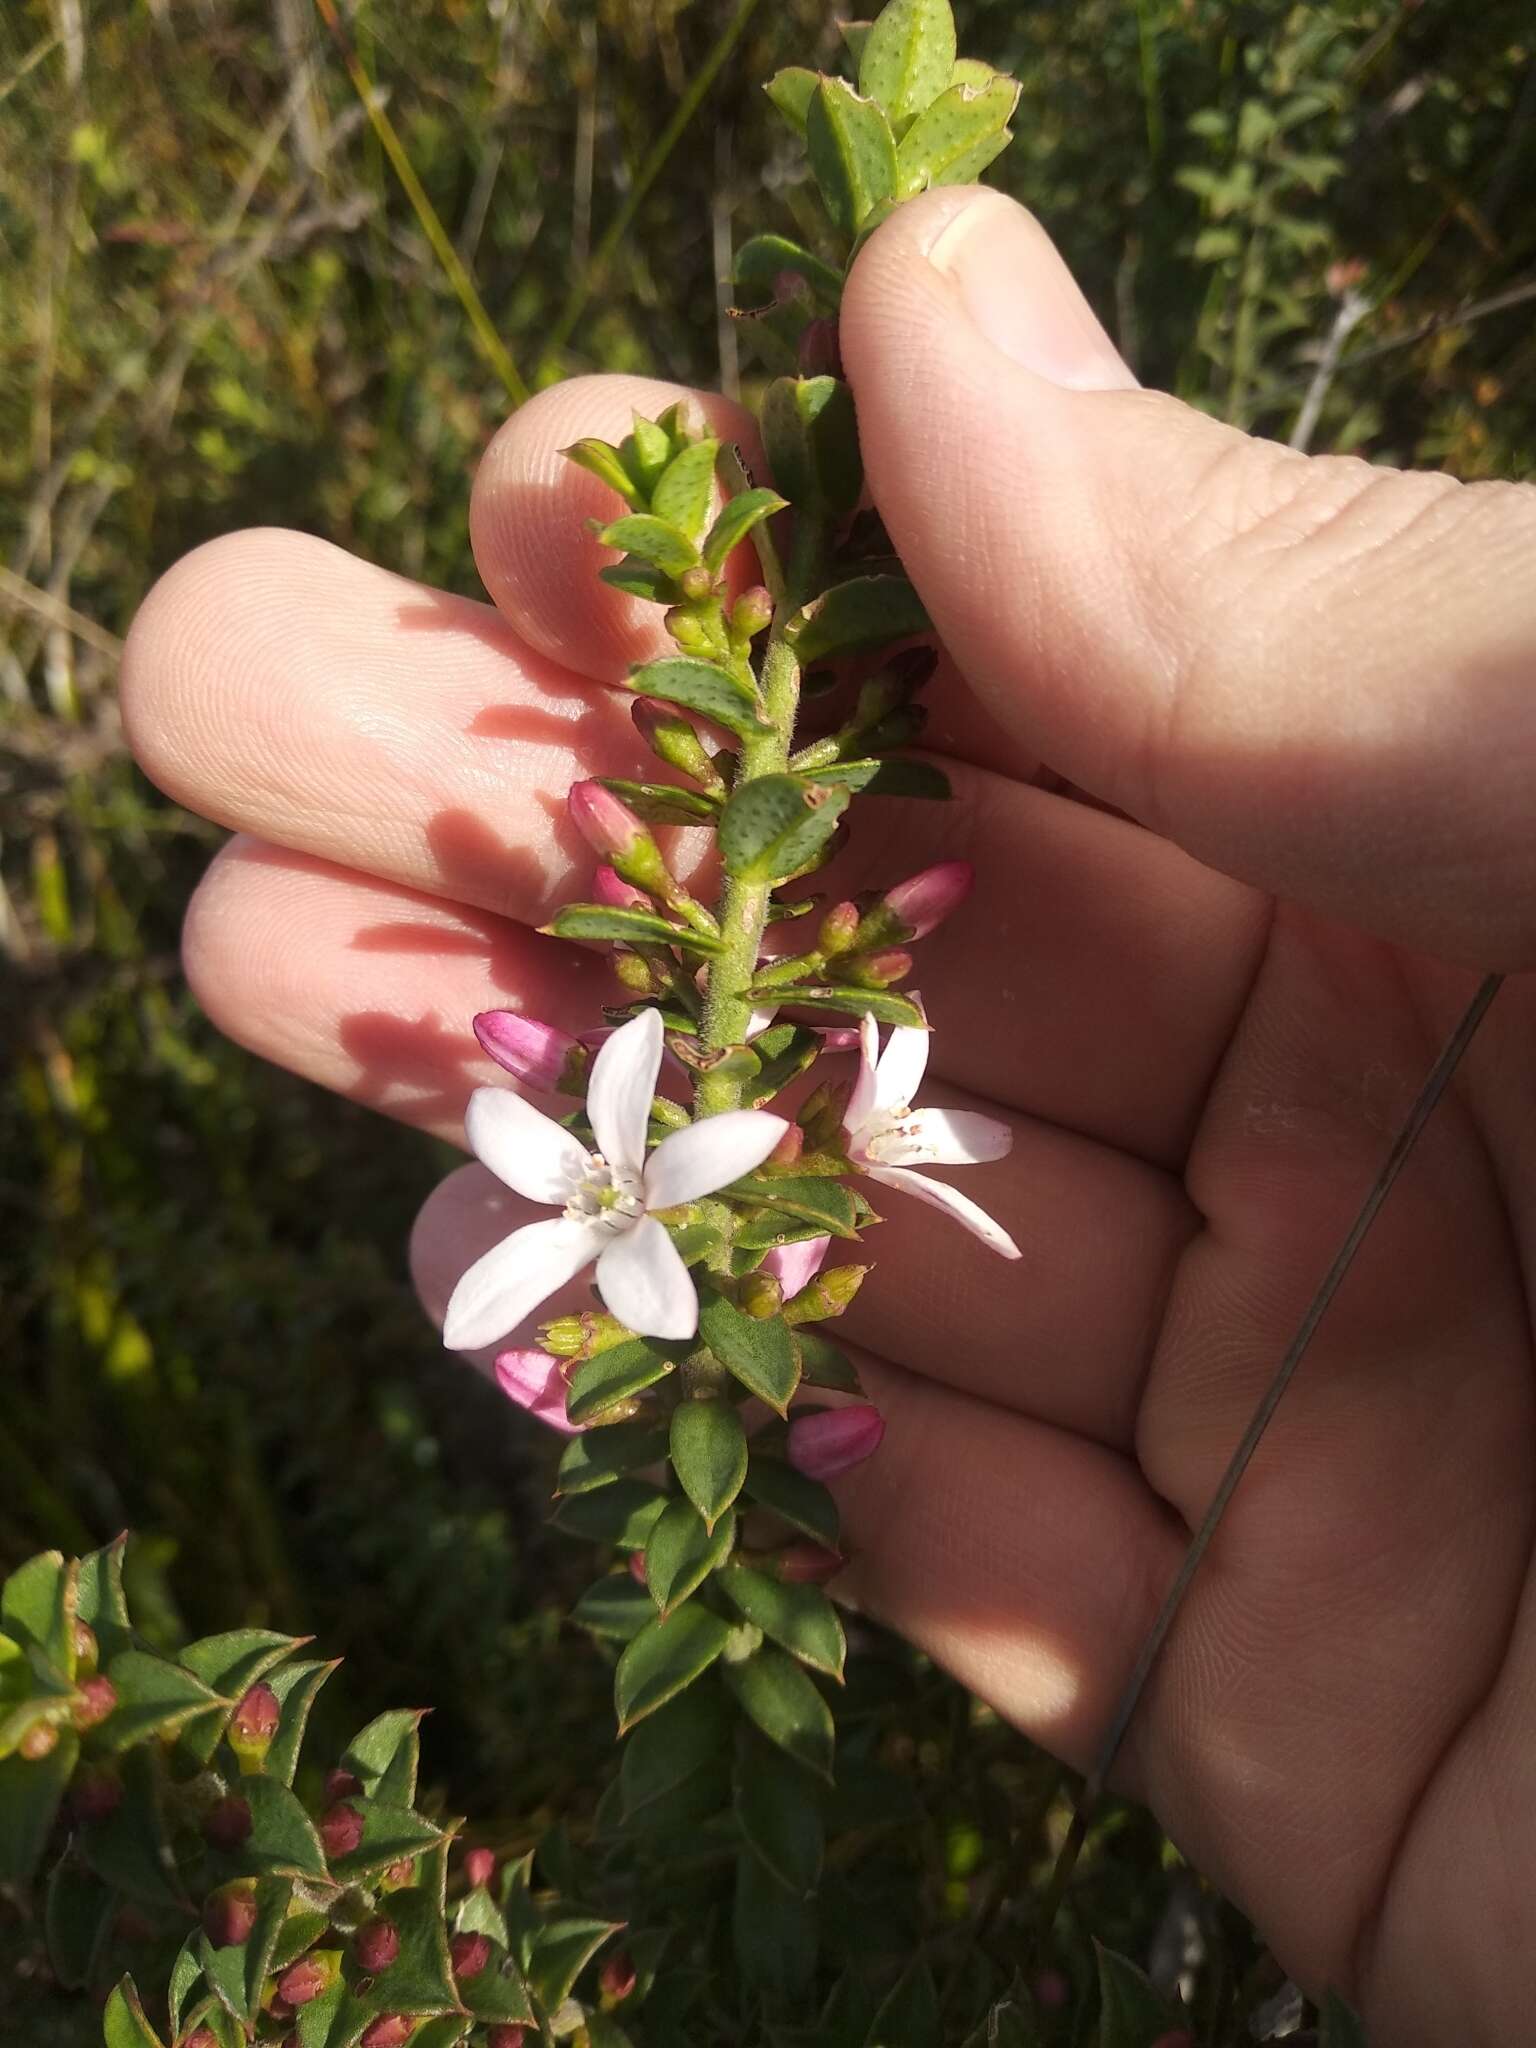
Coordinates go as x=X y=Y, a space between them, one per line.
x=1022 y=297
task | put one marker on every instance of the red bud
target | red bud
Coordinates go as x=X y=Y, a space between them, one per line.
x=479 y=1866
x=255 y=1721
x=376 y=1945
x=95 y=1794
x=617 y=1976
x=94 y=1701
x=39 y=1741
x=341 y=1830
x=391 y=2030
x=512 y=2036
x=228 y=1824
x=809 y=1564
x=469 y=1954
x=303 y=1981
x=201 y=2037
x=230 y=1914
x=86 y=1648
x=340 y=1784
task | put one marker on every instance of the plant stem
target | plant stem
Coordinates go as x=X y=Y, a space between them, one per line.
x=743 y=907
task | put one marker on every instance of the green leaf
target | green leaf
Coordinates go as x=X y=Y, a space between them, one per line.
x=478 y=1913
x=498 y=1996
x=599 y=1456
x=668 y=1654
x=852 y=152
x=763 y=260
x=866 y=611
x=804 y=1503
x=238 y=1974
x=420 y=1979
x=186 y=1975
x=613 y=926
x=123 y=2024
x=679 y=1740
x=100 y=1602
x=296 y=1686
x=297 y=1935
x=618 y=1373
x=386 y=1755
x=30 y=1792
x=155 y=1697
x=774 y=1932
x=646 y=451
x=741 y=514
x=229 y=1664
x=855 y=35
x=37 y=1608
x=780 y=1815
x=682 y=1552
x=811 y=436
x=131 y=1849
x=604 y=463
x=622 y=1514
x=654 y=540
x=908 y=57
x=1132 y=2014
x=1340 y=2025
x=826 y=1206
x=709 y=1454
x=910 y=2010
x=700 y=686
x=77 y=1919
x=560 y=1951
x=791 y=91
x=390 y=1833
x=952 y=141
x=800 y=1619
x=885 y=1005
x=775 y=1693
x=686 y=489
x=639 y=579
x=616 y=1608
x=283 y=1841
x=776 y=825
x=896 y=775
x=664 y=803
x=823 y=1364
x=759 y=1353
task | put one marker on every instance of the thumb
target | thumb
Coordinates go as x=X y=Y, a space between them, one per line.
x=1317 y=675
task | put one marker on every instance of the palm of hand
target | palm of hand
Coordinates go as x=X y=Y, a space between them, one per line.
x=1201 y=1090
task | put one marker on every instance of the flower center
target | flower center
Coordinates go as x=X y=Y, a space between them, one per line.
x=610 y=1200
x=895 y=1140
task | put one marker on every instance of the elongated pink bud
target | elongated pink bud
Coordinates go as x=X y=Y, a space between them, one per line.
x=376 y=1945
x=809 y=1564
x=605 y=821
x=839 y=1038
x=924 y=901
x=537 y=1054
x=822 y=1446
x=793 y=1264
x=608 y=888
x=479 y=1866
x=535 y=1382
x=789 y=1147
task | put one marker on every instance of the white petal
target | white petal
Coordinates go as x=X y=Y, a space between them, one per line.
x=511 y=1280
x=901 y=1068
x=940 y=1195
x=959 y=1137
x=759 y=1020
x=522 y=1146
x=710 y=1155
x=861 y=1102
x=620 y=1091
x=644 y=1282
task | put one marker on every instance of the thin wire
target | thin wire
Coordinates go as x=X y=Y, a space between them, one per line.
x=1130 y=1698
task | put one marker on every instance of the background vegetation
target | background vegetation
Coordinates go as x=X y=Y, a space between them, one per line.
x=220 y=308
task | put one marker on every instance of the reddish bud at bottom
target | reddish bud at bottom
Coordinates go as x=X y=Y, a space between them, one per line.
x=201 y=2037
x=390 y=2030
x=340 y=1784
x=227 y=1825
x=38 y=1742
x=822 y=1446
x=87 y=1650
x=512 y=2036
x=469 y=1954
x=376 y=1946
x=341 y=1830
x=809 y=1564
x=617 y=1976
x=255 y=1721
x=229 y=1915
x=637 y=1567
x=789 y=1147
x=94 y=1701
x=399 y=1874
x=95 y=1795
x=479 y=1866
x=1051 y=1990
x=303 y=1981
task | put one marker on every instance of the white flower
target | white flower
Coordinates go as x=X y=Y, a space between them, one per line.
x=607 y=1196
x=888 y=1138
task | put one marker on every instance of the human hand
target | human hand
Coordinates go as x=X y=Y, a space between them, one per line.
x=1312 y=677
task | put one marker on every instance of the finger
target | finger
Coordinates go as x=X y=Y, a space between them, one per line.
x=1314 y=673
x=376 y=1004
x=280 y=686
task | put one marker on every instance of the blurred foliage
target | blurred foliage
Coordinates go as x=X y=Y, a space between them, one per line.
x=220 y=309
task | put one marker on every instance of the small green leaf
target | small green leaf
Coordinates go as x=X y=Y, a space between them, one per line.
x=386 y=1755
x=826 y=1206
x=612 y=926
x=775 y=1693
x=30 y=1792
x=618 y=1373
x=622 y=1514
x=800 y=1619
x=296 y=1686
x=654 y=540
x=37 y=1608
x=866 y=611
x=774 y=1932
x=604 y=463
x=775 y=826
x=852 y=152
x=668 y=1654
x=616 y=1608
x=952 y=141
x=646 y=452
x=804 y=1503
x=883 y=1004
x=298 y=1934
x=682 y=1552
x=123 y=2024
x=908 y=57
x=678 y=1741
x=664 y=803
x=759 y=1353
x=700 y=686
x=824 y=1364
x=1132 y=2014
x=893 y=776
x=709 y=1454
x=282 y=1842
x=131 y=1848
x=155 y=1697
x=599 y=1456
x=238 y=1974
x=779 y=1813
x=686 y=489
x=389 y=1833
x=1340 y=2025
x=791 y=91
x=910 y=2010
x=742 y=513
x=560 y=1951
x=811 y=436
x=763 y=260
x=100 y=1601
x=855 y=35
x=639 y=579
x=77 y=1919
x=187 y=1975
x=497 y=1996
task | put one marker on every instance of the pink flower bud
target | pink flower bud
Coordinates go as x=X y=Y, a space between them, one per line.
x=40 y=1740
x=230 y=1914
x=469 y=1954
x=227 y=1825
x=792 y=1265
x=881 y=969
x=479 y=1866
x=839 y=1038
x=201 y=2037
x=302 y=1982
x=535 y=1382
x=341 y=1784
x=341 y=1830
x=925 y=900
x=94 y=1701
x=390 y=2030
x=838 y=928
x=617 y=1976
x=789 y=1147
x=608 y=825
x=539 y=1055
x=511 y=2036
x=1051 y=1990
x=618 y=895
x=823 y=1446
x=696 y=583
x=255 y=1721
x=95 y=1794
x=809 y=1564
x=820 y=354
x=752 y=613
x=637 y=1567
x=399 y=1874
x=376 y=1945
x=87 y=1649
